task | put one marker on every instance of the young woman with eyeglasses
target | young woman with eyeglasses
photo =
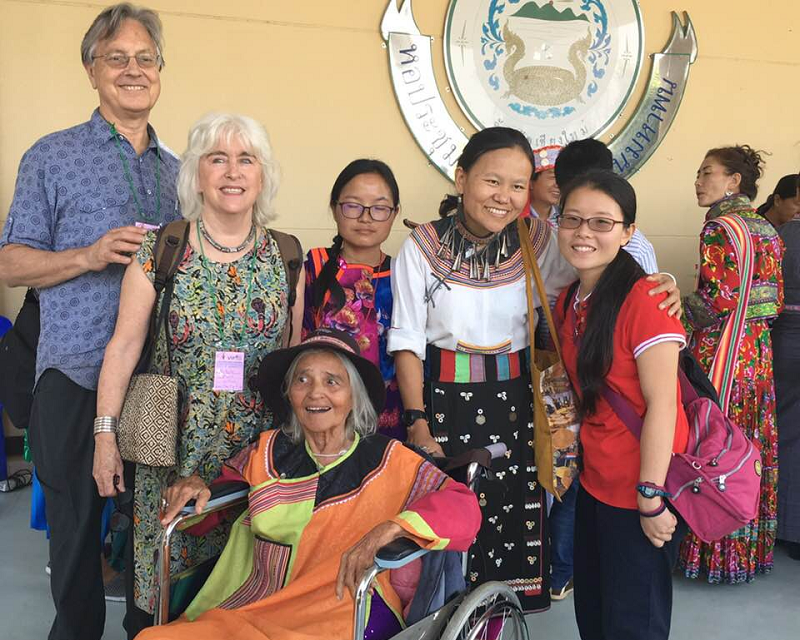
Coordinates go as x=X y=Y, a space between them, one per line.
x=348 y=285
x=616 y=340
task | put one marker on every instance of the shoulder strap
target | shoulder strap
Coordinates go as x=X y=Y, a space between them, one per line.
x=167 y=254
x=532 y=271
x=292 y=257
x=724 y=365
x=168 y=251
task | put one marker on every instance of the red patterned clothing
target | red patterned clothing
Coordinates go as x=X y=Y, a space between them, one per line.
x=747 y=551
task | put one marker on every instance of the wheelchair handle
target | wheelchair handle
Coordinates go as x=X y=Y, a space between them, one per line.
x=496 y=450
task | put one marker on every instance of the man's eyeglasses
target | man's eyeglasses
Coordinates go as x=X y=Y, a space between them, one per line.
x=378 y=212
x=601 y=225
x=120 y=60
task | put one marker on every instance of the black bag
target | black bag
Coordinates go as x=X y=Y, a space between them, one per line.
x=18 y=362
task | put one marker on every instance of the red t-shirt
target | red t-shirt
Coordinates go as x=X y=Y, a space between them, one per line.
x=610 y=450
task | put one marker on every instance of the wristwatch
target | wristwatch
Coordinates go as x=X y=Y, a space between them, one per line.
x=410 y=416
x=652 y=490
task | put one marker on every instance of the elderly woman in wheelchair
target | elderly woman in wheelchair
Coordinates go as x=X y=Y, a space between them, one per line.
x=326 y=493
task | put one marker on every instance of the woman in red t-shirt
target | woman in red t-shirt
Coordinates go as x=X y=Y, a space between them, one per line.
x=614 y=335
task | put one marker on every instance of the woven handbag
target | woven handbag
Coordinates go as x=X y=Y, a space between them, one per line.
x=555 y=417
x=148 y=424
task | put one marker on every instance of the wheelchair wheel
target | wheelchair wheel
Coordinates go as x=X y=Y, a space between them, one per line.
x=490 y=612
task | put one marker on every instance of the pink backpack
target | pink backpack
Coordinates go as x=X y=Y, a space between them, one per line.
x=715 y=484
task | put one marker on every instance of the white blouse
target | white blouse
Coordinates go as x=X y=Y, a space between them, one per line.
x=462 y=313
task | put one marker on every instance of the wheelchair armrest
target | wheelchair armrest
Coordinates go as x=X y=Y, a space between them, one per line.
x=398 y=553
x=223 y=494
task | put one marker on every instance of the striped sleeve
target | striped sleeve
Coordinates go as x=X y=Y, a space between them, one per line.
x=642 y=251
x=663 y=337
x=648 y=325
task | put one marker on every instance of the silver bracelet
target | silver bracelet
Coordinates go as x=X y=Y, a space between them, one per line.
x=105 y=424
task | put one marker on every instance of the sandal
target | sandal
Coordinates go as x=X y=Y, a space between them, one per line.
x=16 y=480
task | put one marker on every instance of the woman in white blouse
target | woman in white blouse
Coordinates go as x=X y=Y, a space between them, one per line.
x=460 y=339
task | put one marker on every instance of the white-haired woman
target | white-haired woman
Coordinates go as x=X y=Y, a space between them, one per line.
x=230 y=295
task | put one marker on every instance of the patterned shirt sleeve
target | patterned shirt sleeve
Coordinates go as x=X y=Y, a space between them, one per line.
x=144 y=255
x=32 y=218
x=718 y=290
x=441 y=513
x=642 y=251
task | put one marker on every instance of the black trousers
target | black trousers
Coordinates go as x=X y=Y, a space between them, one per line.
x=623 y=584
x=62 y=445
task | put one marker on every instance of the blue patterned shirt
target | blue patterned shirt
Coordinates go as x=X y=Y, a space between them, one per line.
x=71 y=189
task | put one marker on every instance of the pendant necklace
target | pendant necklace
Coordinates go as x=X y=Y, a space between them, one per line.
x=223 y=248
x=459 y=246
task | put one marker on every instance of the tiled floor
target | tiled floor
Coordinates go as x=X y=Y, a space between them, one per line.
x=768 y=608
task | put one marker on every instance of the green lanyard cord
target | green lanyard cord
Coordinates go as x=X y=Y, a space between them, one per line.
x=212 y=281
x=127 y=169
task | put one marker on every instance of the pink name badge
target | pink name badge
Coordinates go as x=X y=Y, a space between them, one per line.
x=229 y=371
x=146 y=225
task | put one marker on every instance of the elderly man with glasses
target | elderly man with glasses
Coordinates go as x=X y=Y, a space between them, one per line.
x=83 y=201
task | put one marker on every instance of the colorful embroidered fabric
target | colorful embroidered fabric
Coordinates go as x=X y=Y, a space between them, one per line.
x=214 y=425
x=366 y=316
x=280 y=568
x=748 y=551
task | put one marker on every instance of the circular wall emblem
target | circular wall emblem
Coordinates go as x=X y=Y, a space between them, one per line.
x=559 y=70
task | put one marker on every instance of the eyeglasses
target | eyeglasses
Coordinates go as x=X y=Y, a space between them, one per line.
x=601 y=225
x=378 y=212
x=120 y=60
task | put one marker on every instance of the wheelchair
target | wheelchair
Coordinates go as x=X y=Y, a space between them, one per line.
x=491 y=611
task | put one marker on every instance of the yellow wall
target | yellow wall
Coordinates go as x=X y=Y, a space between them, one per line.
x=316 y=74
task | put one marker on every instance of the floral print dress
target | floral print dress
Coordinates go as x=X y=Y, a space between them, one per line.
x=214 y=425
x=366 y=316
x=749 y=550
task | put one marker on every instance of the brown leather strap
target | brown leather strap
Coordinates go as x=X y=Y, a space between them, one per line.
x=532 y=271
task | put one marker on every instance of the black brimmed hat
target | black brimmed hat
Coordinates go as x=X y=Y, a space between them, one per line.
x=273 y=368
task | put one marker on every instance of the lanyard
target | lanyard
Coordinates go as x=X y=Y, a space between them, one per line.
x=139 y=208
x=212 y=281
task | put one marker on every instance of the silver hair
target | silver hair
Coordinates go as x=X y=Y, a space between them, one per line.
x=107 y=24
x=203 y=138
x=363 y=418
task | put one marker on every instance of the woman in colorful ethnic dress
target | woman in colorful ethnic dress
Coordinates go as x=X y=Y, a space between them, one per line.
x=348 y=285
x=726 y=185
x=460 y=340
x=327 y=492
x=615 y=338
x=230 y=295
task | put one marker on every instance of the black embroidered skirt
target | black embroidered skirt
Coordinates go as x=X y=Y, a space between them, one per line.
x=476 y=400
